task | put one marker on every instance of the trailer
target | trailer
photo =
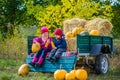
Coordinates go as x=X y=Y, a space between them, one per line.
x=92 y=51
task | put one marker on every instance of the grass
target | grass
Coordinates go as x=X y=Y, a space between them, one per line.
x=9 y=68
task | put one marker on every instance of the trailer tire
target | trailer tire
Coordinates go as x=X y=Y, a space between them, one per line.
x=101 y=64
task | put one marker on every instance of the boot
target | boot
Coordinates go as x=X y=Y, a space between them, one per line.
x=37 y=65
x=32 y=64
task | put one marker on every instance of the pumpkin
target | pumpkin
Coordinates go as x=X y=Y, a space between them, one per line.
x=94 y=32
x=73 y=72
x=23 y=70
x=84 y=33
x=69 y=35
x=79 y=30
x=35 y=47
x=60 y=74
x=69 y=76
x=81 y=74
x=75 y=31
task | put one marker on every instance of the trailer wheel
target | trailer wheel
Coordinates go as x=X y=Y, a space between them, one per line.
x=101 y=64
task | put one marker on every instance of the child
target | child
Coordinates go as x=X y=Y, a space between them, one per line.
x=60 y=44
x=45 y=41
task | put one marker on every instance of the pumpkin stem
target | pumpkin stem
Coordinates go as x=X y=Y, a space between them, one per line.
x=60 y=66
x=74 y=66
x=82 y=67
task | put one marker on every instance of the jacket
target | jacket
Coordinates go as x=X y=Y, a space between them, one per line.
x=61 y=43
x=43 y=44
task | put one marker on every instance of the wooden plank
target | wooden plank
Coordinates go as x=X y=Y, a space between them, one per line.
x=70 y=59
x=42 y=69
x=67 y=64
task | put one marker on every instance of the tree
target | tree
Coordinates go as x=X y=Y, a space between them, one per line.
x=53 y=14
x=116 y=19
x=13 y=14
x=115 y=5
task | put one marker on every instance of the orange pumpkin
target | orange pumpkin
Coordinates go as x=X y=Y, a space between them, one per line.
x=35 y=47
x=23 y=70
x=69 y=76
x=75 y=31
x=69 y=35
x=73 y=72
x=94 y=32
x=81 y=74
x=79 y=30
x=60 y=74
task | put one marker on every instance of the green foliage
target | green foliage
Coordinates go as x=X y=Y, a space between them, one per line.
x=5 y=76
x=14 y=46
x=117 y=46
x=116 y=20
x=13 y=14
x=52 y=15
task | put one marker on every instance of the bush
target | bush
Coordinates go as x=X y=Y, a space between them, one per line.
x=117 y=46
x=13 y=47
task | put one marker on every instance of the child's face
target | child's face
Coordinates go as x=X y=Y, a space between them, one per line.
x=45 y=34
x=57 y=36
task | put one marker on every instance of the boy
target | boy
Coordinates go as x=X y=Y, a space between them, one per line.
x=60 y=46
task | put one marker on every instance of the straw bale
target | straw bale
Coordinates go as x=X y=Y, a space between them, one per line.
x=102 y=25
x=71 y=44
x=105 y=27
x=69 y=25
x=92 y=24
x=66 y=26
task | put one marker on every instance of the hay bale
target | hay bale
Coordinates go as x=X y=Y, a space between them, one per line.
x=71 y=44
x=66 y=26
x=75 y=20
x=105 y=27
x=82 y=23
x=102 y=25
x=69 y=25
x=92 y=24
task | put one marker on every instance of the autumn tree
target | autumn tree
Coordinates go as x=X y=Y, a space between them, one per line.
x=53 y=14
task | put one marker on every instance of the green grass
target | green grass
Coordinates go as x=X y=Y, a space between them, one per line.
x=9 y=69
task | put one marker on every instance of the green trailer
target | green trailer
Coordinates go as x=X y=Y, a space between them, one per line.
x=91 y=50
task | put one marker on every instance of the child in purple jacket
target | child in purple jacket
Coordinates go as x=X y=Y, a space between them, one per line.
x=45 y=41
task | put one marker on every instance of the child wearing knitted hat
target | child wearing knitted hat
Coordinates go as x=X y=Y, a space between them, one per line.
x=60 y=44
x=46 y=44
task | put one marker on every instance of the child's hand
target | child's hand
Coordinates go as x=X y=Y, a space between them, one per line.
x=48 y=41
x=55 y=47
x=37 y=43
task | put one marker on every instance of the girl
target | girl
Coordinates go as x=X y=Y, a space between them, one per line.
x=45 y=41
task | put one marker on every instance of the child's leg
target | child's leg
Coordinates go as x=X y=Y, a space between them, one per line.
x=52 y=53
x=36 y=57
x=58 y=53
x=42 y=56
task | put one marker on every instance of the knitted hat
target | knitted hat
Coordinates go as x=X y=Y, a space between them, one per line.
x=58 y=31
x=44 y=29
